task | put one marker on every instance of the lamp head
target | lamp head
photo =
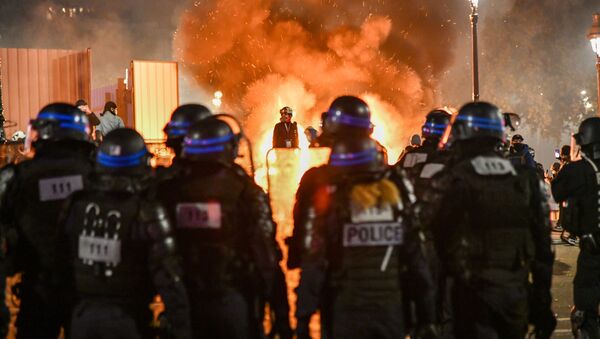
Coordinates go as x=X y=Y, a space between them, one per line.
x=594 y=34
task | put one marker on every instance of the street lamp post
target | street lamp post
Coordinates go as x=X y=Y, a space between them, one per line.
x=594 y=37
x=474 y=17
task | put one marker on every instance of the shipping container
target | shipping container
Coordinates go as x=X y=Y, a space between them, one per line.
x=155 y=95
x=33 y=78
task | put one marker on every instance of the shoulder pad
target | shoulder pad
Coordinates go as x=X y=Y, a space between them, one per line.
x=7 y=174
x=414 y=158
x=405 y=186
x=492 y=166
x=429 y=170
x=155 y=216
x=314 y=175
x=239 y=171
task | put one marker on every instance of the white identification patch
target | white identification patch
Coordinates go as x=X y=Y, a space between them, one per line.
x=429 y=170
x=375 y=234
x=60 y=187
x=199 y=215
x=99 y=250
x=413 y=159
x=376 y=213
x=114 y=150
x=492 y=166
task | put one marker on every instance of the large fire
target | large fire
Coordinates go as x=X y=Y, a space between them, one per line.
x=266 y=54
x=383 y=132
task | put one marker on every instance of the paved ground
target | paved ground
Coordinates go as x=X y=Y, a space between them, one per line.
x=564 y=270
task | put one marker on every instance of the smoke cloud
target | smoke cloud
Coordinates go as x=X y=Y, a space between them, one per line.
x=116 y=31
x=535 y=60
x=266 y=54
x=403 y=57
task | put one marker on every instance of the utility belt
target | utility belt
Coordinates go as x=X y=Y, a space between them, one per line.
x=590 y=243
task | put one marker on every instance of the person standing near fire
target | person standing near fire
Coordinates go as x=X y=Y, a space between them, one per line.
x=109 y=120
x=83 y=106
x=285 y=133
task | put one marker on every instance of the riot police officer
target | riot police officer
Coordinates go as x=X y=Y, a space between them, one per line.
x=360 y=242
x=347 y=117
x=182 y=118
x=487 y=244
x=577 y=185
x=31 y=195
x=119 y=249
x=419 y=165
x=414 y=163
x=226 y=235
x=285 y=132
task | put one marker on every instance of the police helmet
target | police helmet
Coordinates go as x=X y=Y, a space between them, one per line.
x=348 y=115
x=123 y=151
x=589 y=132
x=61 y=121
x=182 y=119
x=211 y=140
x=357 y=155
x=476 y=120
x=435 y=124
x=286 y=110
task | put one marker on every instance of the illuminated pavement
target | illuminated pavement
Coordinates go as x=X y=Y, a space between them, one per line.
x=565 y=265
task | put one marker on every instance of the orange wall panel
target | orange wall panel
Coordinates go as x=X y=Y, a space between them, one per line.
x=33 y=78
x=155 y=95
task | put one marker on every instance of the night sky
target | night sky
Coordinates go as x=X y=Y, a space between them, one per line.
x=535 y=58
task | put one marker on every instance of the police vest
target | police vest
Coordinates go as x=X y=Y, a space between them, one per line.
x=364 y=250
x=495 y=235
x=44 y=183
x=422 y=164
x=109 y=246
x=205 y=205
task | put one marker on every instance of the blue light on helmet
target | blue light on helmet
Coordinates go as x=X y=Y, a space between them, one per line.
x=345 y=119
x=352 y=159
x=67 y=121
x=120 y=161
x=205 y=146
x=482 y=122
x=433 y=128
x=178 y=128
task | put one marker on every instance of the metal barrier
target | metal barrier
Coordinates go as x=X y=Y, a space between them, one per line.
x=285 y=168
